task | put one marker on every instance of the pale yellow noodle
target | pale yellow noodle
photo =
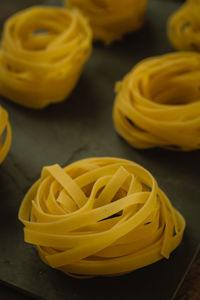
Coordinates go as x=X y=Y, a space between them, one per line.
x=183 y=26
x=5 y=134
x=42 y=55
x=158 y=103
x=100 y=216
x=111 y=19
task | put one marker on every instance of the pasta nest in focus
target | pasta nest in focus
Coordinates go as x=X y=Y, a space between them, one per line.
x=184 y=26
x=111 y=19
x=158 y=103
x=5 y=134
x=100 y=216
x=42 y=55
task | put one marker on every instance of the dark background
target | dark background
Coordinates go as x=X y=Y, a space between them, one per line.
x=82 y=127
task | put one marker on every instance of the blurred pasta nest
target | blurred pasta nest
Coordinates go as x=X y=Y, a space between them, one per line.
x=158 y=103
x=5 y=134
x=100 y=216
x=184 y=26
x=42 y=55
x=111 y=19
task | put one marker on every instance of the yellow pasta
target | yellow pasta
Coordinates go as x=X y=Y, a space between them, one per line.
x=100 y=216
x=184 y=26
x=158 y=103
x=111 y=19
x=42 y=55
x=5 y=134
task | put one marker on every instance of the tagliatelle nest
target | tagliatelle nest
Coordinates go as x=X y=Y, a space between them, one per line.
x=158 y=103
x=111 y=19
x=5 y=134
x=184 y=26
x=100 y=216
x=42 y=55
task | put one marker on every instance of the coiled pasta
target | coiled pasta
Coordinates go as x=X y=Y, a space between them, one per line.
x=184 y=26
x=111 y=19
x=100 y=216
x=5 y=134
x=158 y=103
x=42 y=55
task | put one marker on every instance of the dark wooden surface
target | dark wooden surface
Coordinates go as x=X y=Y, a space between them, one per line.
x=190 y=289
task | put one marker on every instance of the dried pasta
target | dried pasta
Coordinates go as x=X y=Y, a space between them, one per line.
x=42 y=55
x=158 y=103
x=100 y=216
x=111 y=19
x=5 y=134
x=184 y=26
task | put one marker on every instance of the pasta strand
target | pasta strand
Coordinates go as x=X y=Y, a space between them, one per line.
x=42 y=55
x=183 y=27
x=158 y=103
x=111 y=19
x=117 y=230
x=5 y=134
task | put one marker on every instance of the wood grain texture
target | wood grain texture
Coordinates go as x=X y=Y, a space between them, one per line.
x=190 y=289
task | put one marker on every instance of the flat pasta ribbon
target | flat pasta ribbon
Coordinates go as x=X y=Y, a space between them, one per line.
x=100 y=216
x=42 y=55
x=5 y=134
x=158 y=103
x=111 y=19
x=183 y=26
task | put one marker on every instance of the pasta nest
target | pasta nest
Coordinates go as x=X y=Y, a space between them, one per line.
x=111 y=19
x=184 y=26
x=158 y=103
x=100 y=216
x=42 y=55
x=5 y=134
